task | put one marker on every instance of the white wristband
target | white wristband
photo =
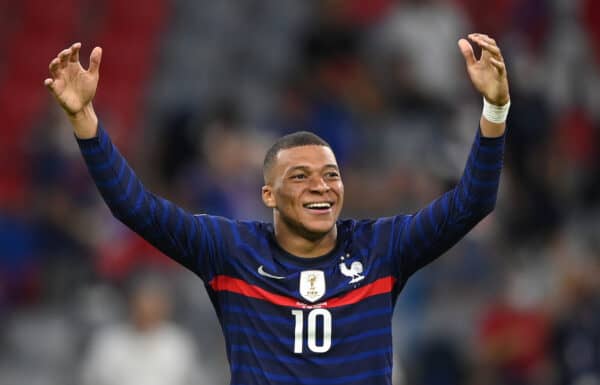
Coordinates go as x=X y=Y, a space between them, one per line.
x=494 y=113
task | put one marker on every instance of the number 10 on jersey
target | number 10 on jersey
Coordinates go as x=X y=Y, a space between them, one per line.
x=311 y=334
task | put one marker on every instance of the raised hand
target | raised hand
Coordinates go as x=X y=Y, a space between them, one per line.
x=72 y=85
x=74 y=88
x=488 y=74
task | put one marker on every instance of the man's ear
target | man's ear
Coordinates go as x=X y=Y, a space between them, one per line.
x=268 y=197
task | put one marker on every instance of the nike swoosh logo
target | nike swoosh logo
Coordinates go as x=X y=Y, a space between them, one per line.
x=261 y=271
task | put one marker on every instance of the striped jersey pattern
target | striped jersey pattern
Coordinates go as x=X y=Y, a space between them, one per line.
x=291 y=320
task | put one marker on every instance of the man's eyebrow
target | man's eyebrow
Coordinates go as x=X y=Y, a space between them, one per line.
x=307 y=168
x=299 y=167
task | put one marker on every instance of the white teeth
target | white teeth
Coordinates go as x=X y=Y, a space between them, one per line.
x=320 y=205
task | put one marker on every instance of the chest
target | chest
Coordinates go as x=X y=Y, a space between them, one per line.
x=307 y=284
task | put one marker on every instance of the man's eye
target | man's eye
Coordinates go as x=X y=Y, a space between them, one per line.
x=298 y=176
x=332 y=175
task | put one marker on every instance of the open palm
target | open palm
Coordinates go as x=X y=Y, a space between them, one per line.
x=72 y=85
x=488 y=74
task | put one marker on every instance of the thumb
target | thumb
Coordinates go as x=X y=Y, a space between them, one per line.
x=49 y=83
x=467 y=51
x=95 y=59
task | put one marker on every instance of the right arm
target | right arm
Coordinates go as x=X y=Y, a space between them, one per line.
x=175 y=232
x=181 y=235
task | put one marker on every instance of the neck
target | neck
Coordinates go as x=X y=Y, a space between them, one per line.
x=304 y=245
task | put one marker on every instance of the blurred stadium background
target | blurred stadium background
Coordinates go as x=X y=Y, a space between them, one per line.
x=193 y=92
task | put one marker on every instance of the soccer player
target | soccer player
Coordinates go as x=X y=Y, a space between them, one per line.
x=307 y=299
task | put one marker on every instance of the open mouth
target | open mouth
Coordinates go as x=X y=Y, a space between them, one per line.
x=319 y=206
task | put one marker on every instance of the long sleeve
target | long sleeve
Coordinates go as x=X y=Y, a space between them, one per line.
x=177 y=233
x=434 y=229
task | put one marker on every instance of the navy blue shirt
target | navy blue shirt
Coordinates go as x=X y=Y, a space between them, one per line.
x=292 y=320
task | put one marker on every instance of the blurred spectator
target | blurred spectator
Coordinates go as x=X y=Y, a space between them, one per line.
x=225 y=175
x=420 y=37
x=439 y=362
x=19 y=262
x=330 y=51
x=514 y=334
x=576 y=333
x=147 y=349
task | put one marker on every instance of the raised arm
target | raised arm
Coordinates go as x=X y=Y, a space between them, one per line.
x=427 y=234
x=180 y=235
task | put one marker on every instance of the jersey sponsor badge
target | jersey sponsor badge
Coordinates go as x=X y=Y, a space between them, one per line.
x=312 y=285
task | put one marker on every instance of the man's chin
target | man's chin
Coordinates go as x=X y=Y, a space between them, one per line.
x=319 y=230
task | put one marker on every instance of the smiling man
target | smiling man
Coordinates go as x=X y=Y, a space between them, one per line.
x=307 y=299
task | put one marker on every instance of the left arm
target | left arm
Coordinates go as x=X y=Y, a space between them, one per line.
x=425 y=235
x=431 y=231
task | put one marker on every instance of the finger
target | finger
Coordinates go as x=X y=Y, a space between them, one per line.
x=53 y=67
x=487 y=47
x=499 y=65
x=495 y=51
x=95 y=59
x=49 y=83
x=489 y=40
x=74 y=57
x=467 y=51
x=482 y=36
x=63 y=57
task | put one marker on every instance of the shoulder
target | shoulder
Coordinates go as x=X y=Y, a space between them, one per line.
x=370 y=225
x=373 y=234
x=219 y=223
x=232 y=231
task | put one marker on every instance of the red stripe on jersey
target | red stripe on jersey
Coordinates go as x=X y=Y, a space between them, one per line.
x=381 y=286
x=235 y=285
x=238 y=286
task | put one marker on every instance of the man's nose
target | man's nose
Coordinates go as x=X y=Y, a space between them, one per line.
x=318 y=184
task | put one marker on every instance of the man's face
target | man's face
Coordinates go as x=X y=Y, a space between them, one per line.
x=305 y=188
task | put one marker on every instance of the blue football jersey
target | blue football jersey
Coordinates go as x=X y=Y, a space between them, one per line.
x=292 y=320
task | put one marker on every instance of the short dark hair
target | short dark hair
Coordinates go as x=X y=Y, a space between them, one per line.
x=296 y=139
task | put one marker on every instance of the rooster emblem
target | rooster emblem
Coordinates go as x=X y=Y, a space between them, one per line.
x=355 y=271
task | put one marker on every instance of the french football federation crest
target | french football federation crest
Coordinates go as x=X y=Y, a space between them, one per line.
x=312 y=285
x=355 y=271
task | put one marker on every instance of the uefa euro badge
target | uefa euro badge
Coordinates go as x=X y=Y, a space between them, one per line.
x=312 y=284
